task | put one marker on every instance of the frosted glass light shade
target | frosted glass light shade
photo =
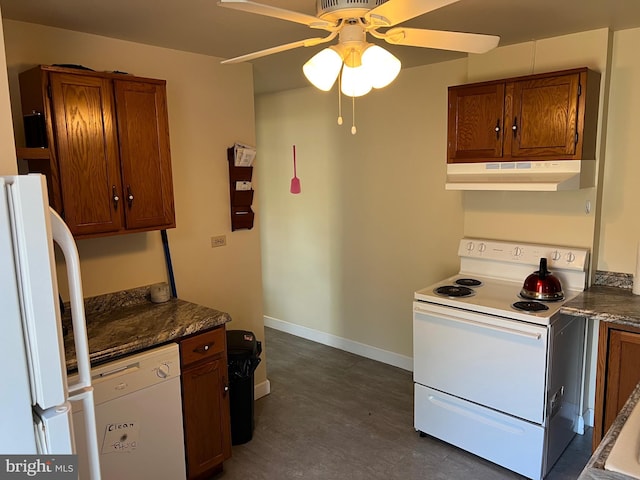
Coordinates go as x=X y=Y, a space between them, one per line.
x=323 y=68
x=381 y=66
x=355 y=81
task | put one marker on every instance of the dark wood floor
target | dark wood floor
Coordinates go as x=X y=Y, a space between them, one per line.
x=334 y=415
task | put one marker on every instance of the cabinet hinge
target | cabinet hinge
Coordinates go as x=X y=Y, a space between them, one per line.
x=49 y=90
x=579 y=89
x=576 y=138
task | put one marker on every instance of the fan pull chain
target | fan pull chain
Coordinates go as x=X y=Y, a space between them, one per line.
x=340 y=99
x=353 y=116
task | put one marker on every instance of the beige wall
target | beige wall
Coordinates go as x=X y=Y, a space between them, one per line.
x=210 y=107
x=620 y=231
x=373 y=222
x=7 y=149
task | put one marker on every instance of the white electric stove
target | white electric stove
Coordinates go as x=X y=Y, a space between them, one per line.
x=496 y=374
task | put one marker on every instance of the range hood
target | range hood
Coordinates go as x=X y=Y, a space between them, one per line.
x=532 y=176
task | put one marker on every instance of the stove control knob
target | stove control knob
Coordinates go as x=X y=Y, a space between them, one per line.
x=517 y=251
x=555 y=255
x=482 y=247
x=470 y=246
x=570 y=257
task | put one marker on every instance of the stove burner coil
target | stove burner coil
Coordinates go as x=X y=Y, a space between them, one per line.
x=454 y=291
x=468 y=282
x=530 y=307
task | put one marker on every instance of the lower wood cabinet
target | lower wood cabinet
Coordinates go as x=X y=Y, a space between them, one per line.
x=205 y=402
x=617 y=373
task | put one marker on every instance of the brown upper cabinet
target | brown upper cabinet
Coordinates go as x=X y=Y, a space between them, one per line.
x=550 y=116
x=108 y=166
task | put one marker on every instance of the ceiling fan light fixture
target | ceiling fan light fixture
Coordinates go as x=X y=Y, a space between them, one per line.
x=382 y=66
x=356 y=81
x=323 y=68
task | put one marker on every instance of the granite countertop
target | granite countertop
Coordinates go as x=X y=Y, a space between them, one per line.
x=607 y=304
x=122 y=323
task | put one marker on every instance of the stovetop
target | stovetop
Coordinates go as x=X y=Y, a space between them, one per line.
x=494 y=297
x=501 y=267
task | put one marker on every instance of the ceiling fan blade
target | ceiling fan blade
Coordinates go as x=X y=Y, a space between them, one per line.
x=309 y=42
x=275 y=12
x=442 y=40
x=394 y=12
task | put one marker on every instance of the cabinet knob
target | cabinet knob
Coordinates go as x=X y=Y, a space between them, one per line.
x=497 y=129
x=115 y=197
x=129 y=196
x=514 y=127
x=203 y=348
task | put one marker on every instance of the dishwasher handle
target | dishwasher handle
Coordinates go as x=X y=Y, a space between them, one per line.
x=116 y=372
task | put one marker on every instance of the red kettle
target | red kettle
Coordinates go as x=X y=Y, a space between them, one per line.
x=542 y=285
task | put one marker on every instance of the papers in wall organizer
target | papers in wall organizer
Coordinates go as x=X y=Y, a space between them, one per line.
x=243 y=155
x=243 y=185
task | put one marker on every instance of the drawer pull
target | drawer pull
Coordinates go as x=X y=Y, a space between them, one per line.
x=202 y=349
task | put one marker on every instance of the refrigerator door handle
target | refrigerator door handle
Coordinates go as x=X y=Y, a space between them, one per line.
x=82 y=390
x=62 y=236
x=85 y=395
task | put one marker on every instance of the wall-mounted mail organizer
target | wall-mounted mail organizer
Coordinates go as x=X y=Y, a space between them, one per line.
x=241 y=193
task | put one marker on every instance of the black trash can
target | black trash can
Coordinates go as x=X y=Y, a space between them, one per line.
x=243 y=353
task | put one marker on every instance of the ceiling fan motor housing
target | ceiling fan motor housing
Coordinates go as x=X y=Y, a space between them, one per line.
x=334 y=10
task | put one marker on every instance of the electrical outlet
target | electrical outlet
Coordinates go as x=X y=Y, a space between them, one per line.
x=218 y=241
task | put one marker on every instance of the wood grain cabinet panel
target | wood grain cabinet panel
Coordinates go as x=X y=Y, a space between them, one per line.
x=205 y=403
x=87 y=149
x=476 y=122
x=618 y=373
x=144 y=152
x=545 y=116
x=109 y=165
x=551 y=116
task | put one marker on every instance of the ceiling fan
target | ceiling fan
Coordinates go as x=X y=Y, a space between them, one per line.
x=363 y=66
x=353 y=19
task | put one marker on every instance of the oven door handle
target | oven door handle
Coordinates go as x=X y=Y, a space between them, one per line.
x=512 y=331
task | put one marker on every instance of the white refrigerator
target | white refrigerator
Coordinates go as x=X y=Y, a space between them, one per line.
x=35 y=413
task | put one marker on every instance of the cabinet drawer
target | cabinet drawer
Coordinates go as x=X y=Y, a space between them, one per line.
x=203 y=346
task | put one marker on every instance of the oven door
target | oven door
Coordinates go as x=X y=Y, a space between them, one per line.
x=487 y=360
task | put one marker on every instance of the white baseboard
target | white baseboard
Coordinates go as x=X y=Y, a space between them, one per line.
x=589 y=417
x=261 y=389
x=374 y=353
x=584 y=420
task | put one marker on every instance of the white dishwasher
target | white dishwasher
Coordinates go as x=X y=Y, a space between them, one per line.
x=138 y=417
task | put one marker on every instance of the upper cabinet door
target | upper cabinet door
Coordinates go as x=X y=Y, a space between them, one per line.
x=87 y=150
x=476 y=122
x=144 y=152
x=545 y=117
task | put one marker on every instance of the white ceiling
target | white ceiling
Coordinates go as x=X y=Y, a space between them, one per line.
x=201 y=26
